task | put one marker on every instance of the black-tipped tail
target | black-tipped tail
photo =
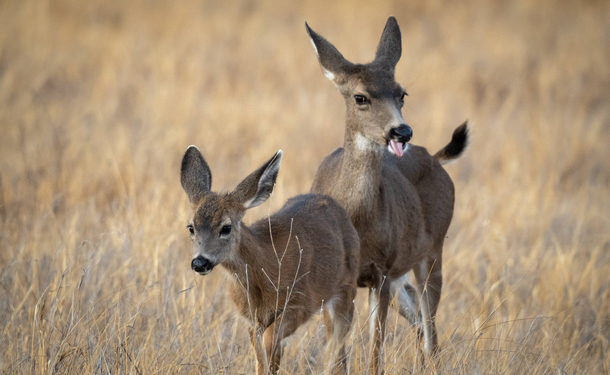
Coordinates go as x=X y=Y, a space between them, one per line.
x=455 y=148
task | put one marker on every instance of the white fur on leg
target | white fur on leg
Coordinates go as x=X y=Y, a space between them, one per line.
x=373 y=312
x=404 y=302
x=330 y=307
x=333 y=346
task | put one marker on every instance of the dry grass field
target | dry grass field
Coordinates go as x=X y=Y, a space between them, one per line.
x=99 y=100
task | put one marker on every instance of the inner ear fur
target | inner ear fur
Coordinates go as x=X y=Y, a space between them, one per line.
x=258 y=186
x=333 y=64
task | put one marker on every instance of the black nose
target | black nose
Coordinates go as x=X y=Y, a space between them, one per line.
x=402 y=133
x=200 y=264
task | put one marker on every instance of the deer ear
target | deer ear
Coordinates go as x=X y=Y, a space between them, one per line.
x=390 y=46
x=258 y=186
x=195 y=175
x=333 y=64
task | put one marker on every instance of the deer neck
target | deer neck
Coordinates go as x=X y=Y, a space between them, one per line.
x=251 y=286
x=244 y=261
x=360 y=174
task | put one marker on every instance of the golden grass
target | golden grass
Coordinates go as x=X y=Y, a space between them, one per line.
x=98 y=101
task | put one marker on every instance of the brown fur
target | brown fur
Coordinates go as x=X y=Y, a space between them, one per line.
x=285 y=267
x=401 y=207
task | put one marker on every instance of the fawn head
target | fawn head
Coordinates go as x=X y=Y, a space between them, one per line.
x=215 y=228
x=373 y=97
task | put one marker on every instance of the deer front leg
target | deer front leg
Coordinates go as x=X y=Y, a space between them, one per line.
x=379 y=301
x=271 y=345
x=429 y=283
x=256 y=338
x=404 y=299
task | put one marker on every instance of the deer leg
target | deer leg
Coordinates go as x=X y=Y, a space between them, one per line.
x=340 y=315
x=405 y=301
x=429 y=282
x=256 y=338
x=329 y=317
x=328 y=322
x=379 y=301
x=282 y=327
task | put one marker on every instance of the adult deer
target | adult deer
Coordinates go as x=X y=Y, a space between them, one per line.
x=284 y=267
x=399 y=197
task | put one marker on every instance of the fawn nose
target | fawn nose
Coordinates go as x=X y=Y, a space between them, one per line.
x=402 y=133
x=200 y=264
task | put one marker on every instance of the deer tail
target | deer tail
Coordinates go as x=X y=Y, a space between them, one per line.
x=455 y=148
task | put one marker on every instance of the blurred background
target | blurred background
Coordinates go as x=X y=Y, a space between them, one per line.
x=99 y=100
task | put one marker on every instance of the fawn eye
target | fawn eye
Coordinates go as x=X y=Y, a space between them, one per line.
x=226 y=230
x=191 y=229
x=360 y=99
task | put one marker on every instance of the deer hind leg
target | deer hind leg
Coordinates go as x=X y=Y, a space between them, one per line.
x=379 y=301
x=339 y=317
x=429 y=283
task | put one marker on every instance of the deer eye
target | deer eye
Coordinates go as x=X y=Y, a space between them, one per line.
x=191 y=229
x=360 y=99
x=402 y=97
x=226 y=230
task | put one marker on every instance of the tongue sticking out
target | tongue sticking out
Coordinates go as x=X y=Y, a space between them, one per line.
x=397 y=147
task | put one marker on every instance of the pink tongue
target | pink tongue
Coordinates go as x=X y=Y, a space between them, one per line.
x=397 y=147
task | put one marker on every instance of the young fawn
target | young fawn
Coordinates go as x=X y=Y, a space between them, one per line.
x=284 y=267
x=399 y=197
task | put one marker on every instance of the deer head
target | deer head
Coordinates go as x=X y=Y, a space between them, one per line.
x=373 y=97
x=216 y=225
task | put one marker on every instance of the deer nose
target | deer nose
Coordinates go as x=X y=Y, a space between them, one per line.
x=200 y=264
x=402 y=133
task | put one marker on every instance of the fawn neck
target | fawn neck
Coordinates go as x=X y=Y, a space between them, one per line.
x=251 y=289
x=246 y=258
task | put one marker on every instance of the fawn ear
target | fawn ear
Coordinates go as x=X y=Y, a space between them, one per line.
x=333 y=64
x=258 y=186
x=390 y=46
x=195 y=175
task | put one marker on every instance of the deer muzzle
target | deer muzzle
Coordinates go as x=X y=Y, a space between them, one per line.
x=398 y=138
x=202 y=265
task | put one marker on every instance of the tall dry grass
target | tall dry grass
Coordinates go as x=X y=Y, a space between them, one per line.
x=99 y=99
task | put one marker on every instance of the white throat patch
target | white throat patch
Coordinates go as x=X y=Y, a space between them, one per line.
x=363 y=143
